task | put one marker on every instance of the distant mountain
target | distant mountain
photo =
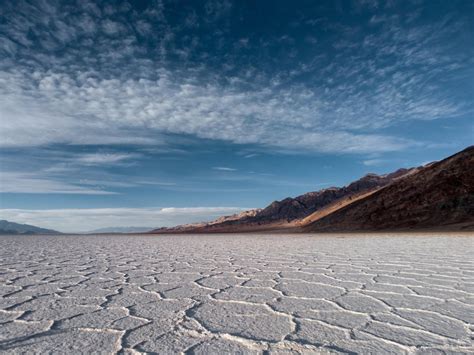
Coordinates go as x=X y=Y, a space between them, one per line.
x=439 y=196
x=7 y=227
x=434 y=196
x=121 y=230
x=288 y=212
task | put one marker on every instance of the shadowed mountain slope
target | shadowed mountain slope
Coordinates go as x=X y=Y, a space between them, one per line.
x=438 y=196
x=286 y=213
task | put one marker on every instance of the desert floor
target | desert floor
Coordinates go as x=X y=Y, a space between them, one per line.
x=237 y=293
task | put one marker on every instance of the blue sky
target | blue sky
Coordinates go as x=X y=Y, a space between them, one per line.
x=156 y=113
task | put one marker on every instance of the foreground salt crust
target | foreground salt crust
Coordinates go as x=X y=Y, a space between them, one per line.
x=237 y=294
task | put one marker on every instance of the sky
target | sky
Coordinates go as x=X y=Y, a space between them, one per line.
x=156 y=113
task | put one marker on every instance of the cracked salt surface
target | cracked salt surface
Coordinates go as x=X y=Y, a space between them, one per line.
x=243 y=294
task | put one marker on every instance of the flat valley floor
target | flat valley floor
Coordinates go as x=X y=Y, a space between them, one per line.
x=206 y=294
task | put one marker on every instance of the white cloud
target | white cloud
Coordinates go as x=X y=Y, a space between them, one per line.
x=154 y=182
x=20 y=182
x=374 y=162
x=112 y=27
x=81 y=110
x=108 y=89
x=223 y=168
x=104 y=158
x=251 y=155
x=81 y=220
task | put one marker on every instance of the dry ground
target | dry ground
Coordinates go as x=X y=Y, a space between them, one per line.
x=237 y=294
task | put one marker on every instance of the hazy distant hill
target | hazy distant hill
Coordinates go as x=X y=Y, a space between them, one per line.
x=438 y=195
x=121 y=230
x=7 y=227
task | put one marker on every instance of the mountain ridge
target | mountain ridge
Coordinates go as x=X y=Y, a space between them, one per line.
x=125 y=230
x=438 y=196
x=8 y=227
x=318 y=210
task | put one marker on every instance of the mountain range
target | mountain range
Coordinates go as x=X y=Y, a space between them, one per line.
x=436 y=196
x=7 y=227
x=119 y=230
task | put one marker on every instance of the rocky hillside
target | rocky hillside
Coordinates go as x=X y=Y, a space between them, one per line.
x=290 y=209
x=7 y=227
x=286 y=213
x=438 y=196
x=204 y=226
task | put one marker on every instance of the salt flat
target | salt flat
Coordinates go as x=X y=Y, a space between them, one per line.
x=237 y=294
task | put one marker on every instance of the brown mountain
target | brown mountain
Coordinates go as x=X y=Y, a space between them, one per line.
x=438 y=196
x=288 y=212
